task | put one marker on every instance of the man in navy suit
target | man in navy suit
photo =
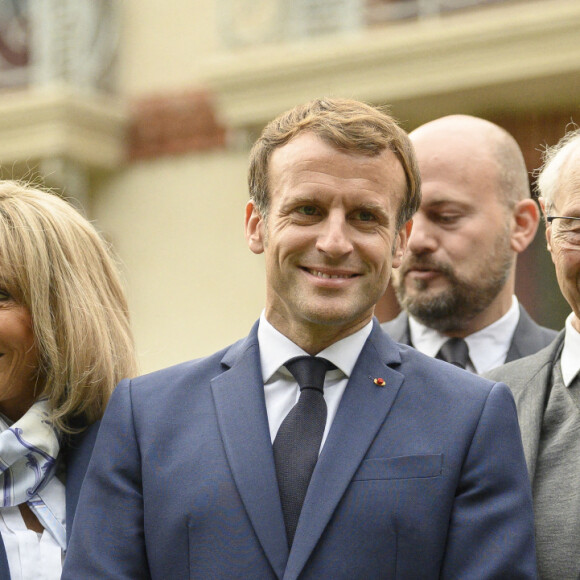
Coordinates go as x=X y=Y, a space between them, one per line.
x=420 y=471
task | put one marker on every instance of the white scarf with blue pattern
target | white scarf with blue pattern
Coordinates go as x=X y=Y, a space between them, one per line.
x=28 y=456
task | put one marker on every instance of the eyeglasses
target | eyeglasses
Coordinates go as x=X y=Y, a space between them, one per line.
x=567 y=229
x=551 y=218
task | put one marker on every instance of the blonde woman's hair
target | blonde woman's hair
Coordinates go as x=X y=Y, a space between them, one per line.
x=54 y=262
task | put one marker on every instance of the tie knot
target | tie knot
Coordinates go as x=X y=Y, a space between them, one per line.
x=455 y=351
x=309 y=371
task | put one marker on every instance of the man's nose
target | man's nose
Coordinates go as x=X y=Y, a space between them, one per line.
x=423 y=237
x=335 y=238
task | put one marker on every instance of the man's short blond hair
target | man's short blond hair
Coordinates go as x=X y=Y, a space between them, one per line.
x=346 y=124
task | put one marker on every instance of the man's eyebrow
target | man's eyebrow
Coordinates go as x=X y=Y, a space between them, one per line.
x=372 y=207
x=571 y=212
x=302 y=199
x=437 y=203
x=306 y=198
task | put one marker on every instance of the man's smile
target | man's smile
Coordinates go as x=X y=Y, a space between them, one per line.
x=330 y=274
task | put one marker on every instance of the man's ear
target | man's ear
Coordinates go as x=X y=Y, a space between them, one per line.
x=254 y=228
x=401 y=243
x=526 y=218
x=548 y=226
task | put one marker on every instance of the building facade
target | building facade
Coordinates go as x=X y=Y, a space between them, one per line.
x=144 y=112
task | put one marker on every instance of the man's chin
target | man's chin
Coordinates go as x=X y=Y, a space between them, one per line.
x=424 y=299
x=335 y=318
x=337 y=315
x=429 y=306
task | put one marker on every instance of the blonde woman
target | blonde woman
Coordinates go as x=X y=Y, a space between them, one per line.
x=65 y=342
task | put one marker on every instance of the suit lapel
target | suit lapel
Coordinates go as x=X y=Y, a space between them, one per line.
x=398 y=329
x=239 y=400
x=362 y=412
x=518 y=347
x=531 y=399
x=528 y=338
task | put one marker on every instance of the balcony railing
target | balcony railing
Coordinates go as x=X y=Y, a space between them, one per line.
x=58 y=41
x=380 y=11
x=60 y=116
x=254 y=22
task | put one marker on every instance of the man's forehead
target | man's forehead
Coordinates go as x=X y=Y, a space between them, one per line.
x=568 y=196
x=456 y=150
x=307 y=150
x=444 y=176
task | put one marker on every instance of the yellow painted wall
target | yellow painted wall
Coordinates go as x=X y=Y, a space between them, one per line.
x=177 y=224
x=163 y=44
x=177 y=221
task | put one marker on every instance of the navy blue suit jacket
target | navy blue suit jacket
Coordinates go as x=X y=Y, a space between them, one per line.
x=423 y=477
x=77 y=452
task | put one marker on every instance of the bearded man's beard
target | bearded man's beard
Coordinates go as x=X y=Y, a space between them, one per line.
x=452 y=308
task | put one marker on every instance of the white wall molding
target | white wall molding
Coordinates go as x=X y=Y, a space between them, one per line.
x=522 y=52
x=61 y=122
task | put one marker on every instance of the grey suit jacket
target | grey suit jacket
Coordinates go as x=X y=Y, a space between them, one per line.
x=530 y=382
x=528 y=337
x=549 y=426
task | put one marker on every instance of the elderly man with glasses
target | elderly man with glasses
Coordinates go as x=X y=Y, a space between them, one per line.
x=546 y=385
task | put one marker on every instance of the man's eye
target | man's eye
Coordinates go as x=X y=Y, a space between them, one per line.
x=572 y=235
x=447 y=218
x=307 y=210
x=365 y=216
x=569 y=225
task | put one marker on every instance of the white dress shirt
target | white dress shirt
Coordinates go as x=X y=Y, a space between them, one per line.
x=281 y=389
x=570 y=360
x=34 y=556
x=488 y=347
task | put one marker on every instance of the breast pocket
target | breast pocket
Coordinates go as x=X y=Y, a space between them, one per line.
x=405 y=467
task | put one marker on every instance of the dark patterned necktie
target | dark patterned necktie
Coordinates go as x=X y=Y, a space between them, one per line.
x=298 y=440
x=454 y=351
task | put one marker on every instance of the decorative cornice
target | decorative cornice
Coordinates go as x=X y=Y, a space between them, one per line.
x=515 y=54
x=174 y=124
x=60 y=122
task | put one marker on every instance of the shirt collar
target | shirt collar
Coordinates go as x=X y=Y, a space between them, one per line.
x=570 y=361
x=276 y=349
x=488 y=347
